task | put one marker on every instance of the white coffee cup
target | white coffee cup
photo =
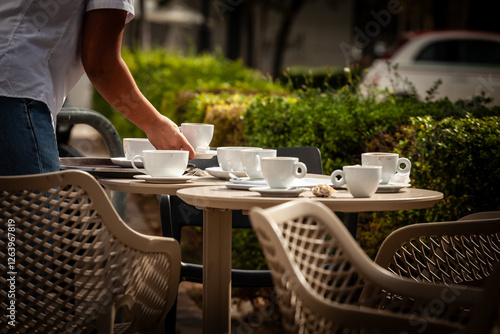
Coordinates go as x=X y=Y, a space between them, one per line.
x=280 y=172
x=163 y=163
x=199 y=135
x=229 y=157
x=135 y=146
x=361 y=181
x=251 y=160
x=390 y=162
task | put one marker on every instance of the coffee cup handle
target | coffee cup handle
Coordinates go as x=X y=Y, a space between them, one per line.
x=133 y=163
x=407 y=168
x=338 y=182
x=303 y=170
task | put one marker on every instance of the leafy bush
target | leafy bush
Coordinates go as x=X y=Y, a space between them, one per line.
x=338 y=123
x=342 y=124
x=323 y=78
x=170 y=80
x=448 y=143
x=459 y=157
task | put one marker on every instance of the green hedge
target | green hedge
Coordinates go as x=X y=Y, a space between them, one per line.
x=339 y=123
x=324 y=78
x=171 y=80
x=459 y=157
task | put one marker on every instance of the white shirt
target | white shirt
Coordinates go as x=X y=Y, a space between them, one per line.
x=40 y=47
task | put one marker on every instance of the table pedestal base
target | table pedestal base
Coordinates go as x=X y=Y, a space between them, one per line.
x=216 y=271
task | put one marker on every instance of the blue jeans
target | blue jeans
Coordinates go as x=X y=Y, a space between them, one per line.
x=28 y=142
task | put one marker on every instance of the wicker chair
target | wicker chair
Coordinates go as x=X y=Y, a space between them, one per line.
x=457 y=252
x=325 y=283
x=73 y=264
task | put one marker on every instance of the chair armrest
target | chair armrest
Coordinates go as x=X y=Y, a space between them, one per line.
x=70 y=115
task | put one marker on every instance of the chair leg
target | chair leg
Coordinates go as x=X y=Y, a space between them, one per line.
x=165 y=216
x=351 y=222
x=171 y=318
x=166 y=231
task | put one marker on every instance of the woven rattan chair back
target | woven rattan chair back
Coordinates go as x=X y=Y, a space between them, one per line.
x=320 y=272
x=69 y=263
x=459 y=252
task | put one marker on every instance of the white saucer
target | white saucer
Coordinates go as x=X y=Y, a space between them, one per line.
x=218 y=172
x=289 y=192
x=205 y=155
x=247 y=180
x=124 y=162
x=388 y=188
x=392 y=187
x=165 y=179
x=245 y=185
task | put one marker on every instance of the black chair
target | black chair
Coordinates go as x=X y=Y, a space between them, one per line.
x=176 y=214
x=70 y=116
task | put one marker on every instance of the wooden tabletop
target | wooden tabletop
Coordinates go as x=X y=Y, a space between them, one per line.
x=219 y=197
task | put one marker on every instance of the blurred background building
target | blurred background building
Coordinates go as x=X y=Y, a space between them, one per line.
x=272 y=35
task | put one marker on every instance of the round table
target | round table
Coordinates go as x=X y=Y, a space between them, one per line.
x=217 y=203
x=220 y=197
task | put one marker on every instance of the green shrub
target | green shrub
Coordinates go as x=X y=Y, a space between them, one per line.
x=339 y=123
x=325 y=78
x=452 y=146
x=459 y=157
x=169 y=81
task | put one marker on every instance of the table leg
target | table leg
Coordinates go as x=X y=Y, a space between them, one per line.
x=216 y=271
x=119 y=201
x=351 y=222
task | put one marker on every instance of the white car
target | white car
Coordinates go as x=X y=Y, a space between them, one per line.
x=466 y=62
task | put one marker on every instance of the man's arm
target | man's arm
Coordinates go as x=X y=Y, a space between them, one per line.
x=101 y=57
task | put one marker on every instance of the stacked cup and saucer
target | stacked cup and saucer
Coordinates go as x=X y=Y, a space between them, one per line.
x=377 y=173
x=243 y=166
x=395 y=170
x=199 y=135
x=162 y=166
x=132 y=147
x=280 y=174
x=361 y=181
x=258 y=169
x=230 y=163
